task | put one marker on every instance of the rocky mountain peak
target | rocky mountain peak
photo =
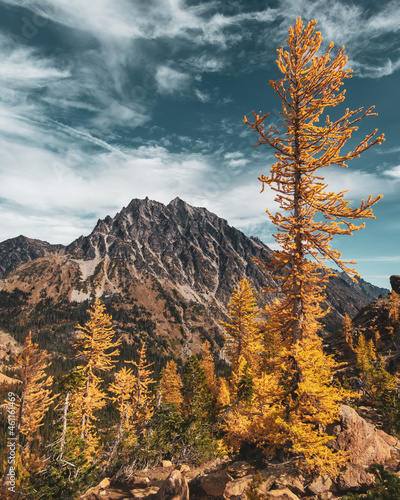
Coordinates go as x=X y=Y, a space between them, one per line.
x=20 y=250
x=173 y=257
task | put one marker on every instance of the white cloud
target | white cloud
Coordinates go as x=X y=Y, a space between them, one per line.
x=21 y=67
x=201 y=96
x=378 y=70
x=170 y=81
x=354 y=26
x=205 y=63
x=380 y=258
x=358 y=183
x=394 y=172
x=104 y=18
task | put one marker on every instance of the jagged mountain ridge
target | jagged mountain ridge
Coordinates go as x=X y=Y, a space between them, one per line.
x=20 y=250
x=191 y=247
x=175 y=263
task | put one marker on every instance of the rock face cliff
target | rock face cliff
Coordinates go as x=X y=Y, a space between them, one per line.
x=166 y=272
x=20 y=250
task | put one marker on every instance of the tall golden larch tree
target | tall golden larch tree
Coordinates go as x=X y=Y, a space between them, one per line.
x=35 y=400
x=308 y=218
x=310 y=214
x=122 y=389
x=243 y=336
x=348 y=331
x=171 y=384
x=142 y=394
x=208 y=365
x=93 y=350
x=394 y=307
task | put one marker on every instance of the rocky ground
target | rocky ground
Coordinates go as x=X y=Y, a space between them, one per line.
x=231 y=478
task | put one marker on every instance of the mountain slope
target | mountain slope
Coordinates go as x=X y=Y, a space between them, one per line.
x=166 y=274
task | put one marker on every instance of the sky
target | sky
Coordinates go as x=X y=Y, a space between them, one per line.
x=109 y=100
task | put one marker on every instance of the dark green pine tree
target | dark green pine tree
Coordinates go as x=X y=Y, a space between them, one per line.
x=198 y=401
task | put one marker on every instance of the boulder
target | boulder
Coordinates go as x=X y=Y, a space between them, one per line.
x=105 y=483
x=360 y=439
x=140 y=481
x=175 y=487
x=320 y=485
x=291 y=480
x=355 y=478
x=90 y=494
x=214 y=483
x=140 y=494
x=236 y=489
x=284 y=494
x=395 y=283
x=240 y=469
x=184 y=468
x=166 y=463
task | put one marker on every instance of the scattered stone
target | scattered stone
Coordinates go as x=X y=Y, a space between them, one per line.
x=235 y=490
x=140 y=482
x=355 y=478
x=360 y=438
x=139 y=494
x=327 y=495
x=166 y=463
x=240 y=469
x=265 y=486
x=395 y=283
x=91 y=494
x=292 y=481
x=184 y=468
x=320 y=485
x=175 y=487
x=214 y=483
x=105 y=483
x=214 y=466
x=284 y=494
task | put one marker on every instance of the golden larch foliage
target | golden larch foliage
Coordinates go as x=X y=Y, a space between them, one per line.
x=31 y=364
x=348 y=331
x=143 y=400
x=298 y=397
x=394 y=307
x=366 y=355
x=243 y=335
x=310 y=214
x=171 y=384
x=374 y=376
x=122 y=390
x=208 y=365
x=93 y=349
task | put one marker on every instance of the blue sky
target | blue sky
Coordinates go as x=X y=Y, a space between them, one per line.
x=109 y=100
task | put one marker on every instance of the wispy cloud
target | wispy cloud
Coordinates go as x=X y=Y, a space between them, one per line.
x=380 y=258
x=170 y=81
x=201 y=96
x=89 y=138
x=394 y=172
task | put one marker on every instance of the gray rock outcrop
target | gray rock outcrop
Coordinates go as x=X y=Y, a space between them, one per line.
x=360 y=439
x=395 y=283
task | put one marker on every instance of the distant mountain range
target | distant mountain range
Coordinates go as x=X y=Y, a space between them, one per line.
x=165 y=272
